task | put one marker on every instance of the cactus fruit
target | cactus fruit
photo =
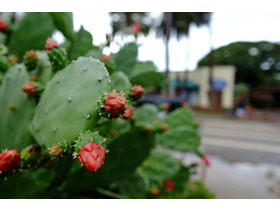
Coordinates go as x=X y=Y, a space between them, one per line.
x=113 y=105
x=92 y=155
x=9 y=160
x=4 y=64
x=76 y=88
x=57 y=55
x=3 y=26
x=30 y=60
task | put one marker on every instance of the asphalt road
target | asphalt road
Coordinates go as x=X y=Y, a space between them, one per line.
x=241 y=140
x=244 y=155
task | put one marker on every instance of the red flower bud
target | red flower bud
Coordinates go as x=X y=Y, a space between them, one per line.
x=164 y=127
x=50 y=43
x=169 y=184
x=105 y=58
x=138 y=91
x=128 y=114
x=9 y=160
x=205 y=157
x=115 y=104
x=55 y=150
x=3 y=26
x=31 y=54
x=136 y=27
x=29 y=88
x=92 y=156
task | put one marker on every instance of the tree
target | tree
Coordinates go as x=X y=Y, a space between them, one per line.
x=257 y=63
x=172 y=22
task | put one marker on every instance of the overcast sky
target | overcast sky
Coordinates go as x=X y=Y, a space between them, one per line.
x=227 y=27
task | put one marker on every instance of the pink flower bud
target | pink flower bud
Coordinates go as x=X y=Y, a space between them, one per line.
x=3 y=26
x=205 y=157
x=92 y=156
x=115 y=104
x=136 y=27
x=29 y=88
x=128 y=114
x=138 y=91
x=50 y=43
x=9 y=160
x=169 y=184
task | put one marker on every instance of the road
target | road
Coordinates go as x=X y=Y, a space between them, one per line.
x=244 y=155
x=241 y=140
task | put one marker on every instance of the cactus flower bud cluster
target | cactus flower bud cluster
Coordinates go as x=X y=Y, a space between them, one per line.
x=30 y=60
x=9 y=160
x=113 y=106
x=137 y=92
x=92 y=155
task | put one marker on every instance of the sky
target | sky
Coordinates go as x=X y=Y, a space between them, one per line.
x=225 y=28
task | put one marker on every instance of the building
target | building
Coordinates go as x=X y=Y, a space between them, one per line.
x=194 y=85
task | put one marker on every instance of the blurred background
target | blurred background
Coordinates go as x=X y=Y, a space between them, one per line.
x=224 y=65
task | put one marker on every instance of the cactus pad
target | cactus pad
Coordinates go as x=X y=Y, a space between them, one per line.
x=16 y=109
x=68 y=105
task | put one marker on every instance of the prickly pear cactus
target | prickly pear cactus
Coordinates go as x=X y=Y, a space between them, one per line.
x=16 y=109
x=68 y=105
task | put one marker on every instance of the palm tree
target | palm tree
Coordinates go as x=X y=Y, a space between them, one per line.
x=176 y=22
x=179 y=23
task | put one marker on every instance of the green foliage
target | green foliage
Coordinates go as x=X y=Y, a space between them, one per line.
x=16 y=110
x=81 y=45
x=120 y=81
x=31 y=33
x=160 y=165
x=64 y=22
x=126 y=58
x=182 y=131
x=256 y=62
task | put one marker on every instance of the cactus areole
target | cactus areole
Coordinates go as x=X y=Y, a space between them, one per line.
x=9 y=160
x=92 y=155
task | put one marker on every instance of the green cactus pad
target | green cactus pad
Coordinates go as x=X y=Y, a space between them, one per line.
x=16 y=109
x=68 y=105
